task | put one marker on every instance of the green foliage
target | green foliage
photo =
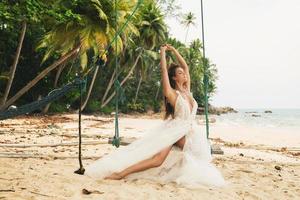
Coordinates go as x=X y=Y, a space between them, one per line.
x=12 y=15
x=57 y=26
x=72 y=96
x=57 y=107
x=156 y=106
x=93 y=106
x=138 y=107
x=89 y=24
x=152 y=26
x=107 y=109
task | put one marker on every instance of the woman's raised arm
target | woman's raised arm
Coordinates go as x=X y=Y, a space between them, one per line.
x=164 y=72
x=182 y=64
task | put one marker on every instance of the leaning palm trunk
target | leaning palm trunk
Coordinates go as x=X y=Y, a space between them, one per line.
x=124 y=80
x=90 y=88
x=137 y=90
x=58 y=73
x=14 y=65
x=111 y=81
x=186 y=34
x=40 y=76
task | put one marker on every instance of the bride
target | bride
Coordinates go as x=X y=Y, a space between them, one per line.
x=177 y=150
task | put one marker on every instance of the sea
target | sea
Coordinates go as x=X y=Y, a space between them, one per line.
x=278 y=118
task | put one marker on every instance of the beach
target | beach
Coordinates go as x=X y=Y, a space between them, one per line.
x=38 y=156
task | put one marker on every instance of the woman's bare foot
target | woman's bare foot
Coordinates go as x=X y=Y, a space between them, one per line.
x=114 y=176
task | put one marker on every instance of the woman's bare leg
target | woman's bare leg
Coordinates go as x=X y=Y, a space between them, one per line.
x=154 y=161
x=180 y=143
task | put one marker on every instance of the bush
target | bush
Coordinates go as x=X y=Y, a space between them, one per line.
x=156 y=106
x=56 y=107
x=138 y=107
x=107 y=110
x=93 y=106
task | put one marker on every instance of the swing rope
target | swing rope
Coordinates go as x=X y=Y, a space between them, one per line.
x=118 y=89
x=116 y=139
x=206 y=78
x=120 y=95
x=81 y=170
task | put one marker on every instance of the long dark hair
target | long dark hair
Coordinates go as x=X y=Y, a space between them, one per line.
x=168 y=107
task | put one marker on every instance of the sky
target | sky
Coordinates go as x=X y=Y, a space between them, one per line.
x=255 y=45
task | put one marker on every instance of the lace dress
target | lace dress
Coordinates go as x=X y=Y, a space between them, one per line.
x=190 y=167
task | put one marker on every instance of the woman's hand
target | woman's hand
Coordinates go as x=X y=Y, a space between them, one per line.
x=163 y=48
x=170 y=47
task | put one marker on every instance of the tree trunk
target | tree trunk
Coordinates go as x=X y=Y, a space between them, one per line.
x=58 y=73
x=124 y=80
x=39 y=77
x=61 y=67
x=186 y=34
x=14 y=65
x=90 y=88
x=137 y=90
x=157 y=91
x=109 y=86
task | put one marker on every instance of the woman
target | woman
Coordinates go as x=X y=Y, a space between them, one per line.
x=154 y=156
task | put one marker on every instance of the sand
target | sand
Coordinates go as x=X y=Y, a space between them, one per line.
x=258 y=163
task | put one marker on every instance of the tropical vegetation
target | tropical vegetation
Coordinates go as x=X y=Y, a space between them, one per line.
x=46 y=44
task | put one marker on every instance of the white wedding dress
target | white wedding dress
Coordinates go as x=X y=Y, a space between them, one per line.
x=190 y=167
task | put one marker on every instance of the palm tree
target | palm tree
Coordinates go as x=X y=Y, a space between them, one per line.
x=14 y=65
x=58 y=73
x=150 y=22
x=147 y=62
x=123 y=9
x=75 y=36
x=124 y=80
x=170 y=8
x=41 y=75
x=153 y=34
x=188 y=20
x=152 y=27
x=23 y=12
x=91 y=30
